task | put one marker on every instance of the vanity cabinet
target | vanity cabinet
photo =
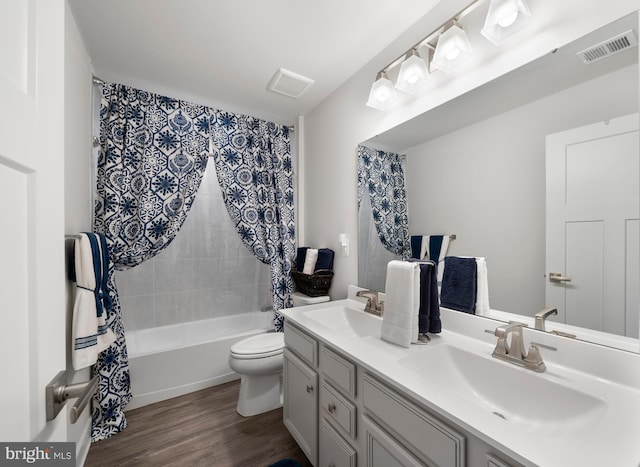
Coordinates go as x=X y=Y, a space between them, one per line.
x=343 y=415
x=423 y=435
x=300 y=390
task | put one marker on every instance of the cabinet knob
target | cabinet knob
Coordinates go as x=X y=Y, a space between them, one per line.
x=331 y=407
x=309 y=388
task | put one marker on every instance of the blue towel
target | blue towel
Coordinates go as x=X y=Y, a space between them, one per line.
x=429 y=311
x=325 y=259
x=459 y=283
x=435 y=245
x=285 y=463
x=302 y=253
x=416 y=246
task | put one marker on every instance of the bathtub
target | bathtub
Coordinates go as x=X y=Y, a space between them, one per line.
x=169 y=361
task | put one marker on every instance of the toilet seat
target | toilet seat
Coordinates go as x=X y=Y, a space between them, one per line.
x=260 y=346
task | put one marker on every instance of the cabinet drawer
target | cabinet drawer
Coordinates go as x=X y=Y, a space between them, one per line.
x=334 y=450
x=422 y=433
x=301 y=344
x=339 y=370
x=338 y=409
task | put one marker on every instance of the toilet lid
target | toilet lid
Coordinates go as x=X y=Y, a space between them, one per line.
x=269 y=343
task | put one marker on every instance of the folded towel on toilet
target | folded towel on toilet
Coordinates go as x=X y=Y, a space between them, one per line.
x=459 y=284
x=400 y=318
x=310 y=261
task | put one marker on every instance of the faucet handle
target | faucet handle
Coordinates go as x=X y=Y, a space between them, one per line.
x=544 y=346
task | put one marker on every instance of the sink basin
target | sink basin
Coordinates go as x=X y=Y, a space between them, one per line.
x=346 y=321
x=506 y=390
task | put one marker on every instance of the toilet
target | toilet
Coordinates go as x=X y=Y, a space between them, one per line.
x=300 y=299
x=258 y=361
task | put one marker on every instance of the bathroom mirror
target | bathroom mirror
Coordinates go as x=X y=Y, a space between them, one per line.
x=476 y=167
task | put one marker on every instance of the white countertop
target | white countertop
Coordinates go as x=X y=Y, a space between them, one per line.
x=608 y=436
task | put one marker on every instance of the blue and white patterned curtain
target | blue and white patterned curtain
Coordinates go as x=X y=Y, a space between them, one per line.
x=255 y=172
x=153 y=155
x=381 y=175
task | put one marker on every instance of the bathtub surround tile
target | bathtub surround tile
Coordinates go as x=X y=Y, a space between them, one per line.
x=230 y=300
x=136 y=281
x=173 y=308
x=180 y=247
x=174 y=275
x=138 y=311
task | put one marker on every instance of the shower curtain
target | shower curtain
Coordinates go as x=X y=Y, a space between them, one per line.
x=154 y=150
x=255 y=172
x=152 y=157
x=380 y=173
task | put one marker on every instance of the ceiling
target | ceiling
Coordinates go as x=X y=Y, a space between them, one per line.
x=223 y=53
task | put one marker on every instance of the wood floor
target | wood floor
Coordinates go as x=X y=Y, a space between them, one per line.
x=198 y=429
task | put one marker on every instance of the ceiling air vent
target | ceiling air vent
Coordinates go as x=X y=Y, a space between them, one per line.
x=288 y=83
x=609 y=47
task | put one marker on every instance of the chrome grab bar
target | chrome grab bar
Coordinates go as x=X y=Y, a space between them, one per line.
x=57 y=393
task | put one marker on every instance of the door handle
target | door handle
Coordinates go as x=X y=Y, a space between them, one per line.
x=558 y=277
x=58 y=391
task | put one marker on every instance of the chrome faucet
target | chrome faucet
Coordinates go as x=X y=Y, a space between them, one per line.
x=374 y=304
x=513 y=352
x=542 y=315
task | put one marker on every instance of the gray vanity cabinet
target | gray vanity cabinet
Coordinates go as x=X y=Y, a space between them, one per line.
x=338 y=410
x=343 y=415
x=300 y=390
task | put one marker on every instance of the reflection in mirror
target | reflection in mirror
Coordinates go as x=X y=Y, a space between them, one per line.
x=477 y=166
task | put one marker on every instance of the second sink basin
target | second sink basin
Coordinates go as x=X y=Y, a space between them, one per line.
x=346 y=321
x=508 y=391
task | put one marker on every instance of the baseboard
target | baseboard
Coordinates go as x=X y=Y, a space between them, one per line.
x=140 y=400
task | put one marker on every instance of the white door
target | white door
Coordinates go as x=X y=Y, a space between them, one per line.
x=32 y=272
x=592 y=225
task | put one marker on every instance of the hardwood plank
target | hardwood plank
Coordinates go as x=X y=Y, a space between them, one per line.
x=198 y=429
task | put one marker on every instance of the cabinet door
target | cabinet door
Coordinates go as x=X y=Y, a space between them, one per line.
x=300 y=411
x=334 y=450
x=381 y=450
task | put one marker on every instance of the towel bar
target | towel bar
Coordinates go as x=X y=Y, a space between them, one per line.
x=57 y=393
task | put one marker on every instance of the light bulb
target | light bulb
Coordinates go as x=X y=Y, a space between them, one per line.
x=508 y=16
x=453 y=54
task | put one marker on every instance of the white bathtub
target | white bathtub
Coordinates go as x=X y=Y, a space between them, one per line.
x=169 y=361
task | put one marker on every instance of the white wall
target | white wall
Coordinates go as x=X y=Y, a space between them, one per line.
x=486 y=184
x=334 y=128
x=77 y=185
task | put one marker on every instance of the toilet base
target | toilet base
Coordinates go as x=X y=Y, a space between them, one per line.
x=259 y=394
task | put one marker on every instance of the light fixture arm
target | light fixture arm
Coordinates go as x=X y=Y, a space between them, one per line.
x=425 y=41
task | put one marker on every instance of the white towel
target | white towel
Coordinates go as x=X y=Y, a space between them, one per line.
x=86 y=343
x=310 y=259
x=402 y=290
x=482 y=287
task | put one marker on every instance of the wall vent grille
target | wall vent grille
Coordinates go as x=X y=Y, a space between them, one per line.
x=609 y=47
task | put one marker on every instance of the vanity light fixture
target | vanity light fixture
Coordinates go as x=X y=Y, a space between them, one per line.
x=413 y=73
x=452 y=50
x=506 y=18
x=383 y=94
